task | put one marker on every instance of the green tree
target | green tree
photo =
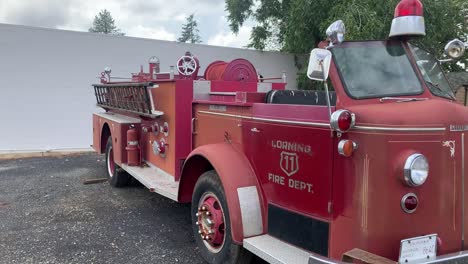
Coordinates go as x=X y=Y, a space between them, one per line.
x=105 y=24
x=299 y=25
x=190 y=32
x=369 y=19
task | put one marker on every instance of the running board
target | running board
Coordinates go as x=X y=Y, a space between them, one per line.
x=273 y=250
x=155 y=180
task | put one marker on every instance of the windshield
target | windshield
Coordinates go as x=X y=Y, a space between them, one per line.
x=376 y=69
x=432 y=73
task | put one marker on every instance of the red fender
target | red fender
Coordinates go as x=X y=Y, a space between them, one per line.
x=239 y=182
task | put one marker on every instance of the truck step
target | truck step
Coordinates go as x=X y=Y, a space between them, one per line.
x=155 y=180
x=273 y=250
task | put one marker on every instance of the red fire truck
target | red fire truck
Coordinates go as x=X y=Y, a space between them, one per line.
x=372 y=170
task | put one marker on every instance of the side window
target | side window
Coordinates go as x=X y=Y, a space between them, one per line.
x=432 y=73
x=295 y=97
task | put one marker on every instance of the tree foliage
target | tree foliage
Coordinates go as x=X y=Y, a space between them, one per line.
x=105 y=24
x=190 y=32
x=297 y=26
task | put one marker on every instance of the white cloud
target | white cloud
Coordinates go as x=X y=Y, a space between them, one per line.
x=181 y=17
x=159 y=19
x=151 y=32
x=229 y=39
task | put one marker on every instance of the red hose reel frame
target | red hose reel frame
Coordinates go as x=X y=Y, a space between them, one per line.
x=238 y=70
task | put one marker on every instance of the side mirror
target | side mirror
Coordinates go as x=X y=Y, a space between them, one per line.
x=319 y=64
x=454 y=50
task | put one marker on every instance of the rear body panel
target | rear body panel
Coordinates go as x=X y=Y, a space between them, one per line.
x=118 y=125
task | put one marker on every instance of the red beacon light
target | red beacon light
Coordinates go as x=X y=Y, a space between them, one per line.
x=342 y=121
x=408 y=19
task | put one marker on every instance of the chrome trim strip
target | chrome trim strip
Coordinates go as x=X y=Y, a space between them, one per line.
x=404 y=129
x=463 y=191
x=292 y=122
x=223 y=114
x=317 y=124
x=223 y=93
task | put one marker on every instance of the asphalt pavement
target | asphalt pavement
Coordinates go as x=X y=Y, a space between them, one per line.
x=47 y=215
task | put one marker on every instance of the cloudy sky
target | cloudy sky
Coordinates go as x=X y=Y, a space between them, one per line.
x=158 y=19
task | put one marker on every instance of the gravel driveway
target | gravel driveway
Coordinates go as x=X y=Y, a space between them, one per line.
x=48 y=216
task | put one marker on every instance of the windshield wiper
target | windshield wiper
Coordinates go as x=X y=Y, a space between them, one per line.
x=401 y=99
x=440 y=89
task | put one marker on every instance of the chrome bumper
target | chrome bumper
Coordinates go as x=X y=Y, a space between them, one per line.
x=460 y=257
x=273 y=250
x=454 y=258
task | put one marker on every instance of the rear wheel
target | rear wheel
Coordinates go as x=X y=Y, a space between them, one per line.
x=211 y=223
x=117 y=176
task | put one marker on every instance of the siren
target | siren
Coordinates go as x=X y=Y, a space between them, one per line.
x=408 y=19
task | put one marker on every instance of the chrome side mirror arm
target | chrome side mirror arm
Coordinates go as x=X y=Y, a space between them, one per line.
x=441 y=61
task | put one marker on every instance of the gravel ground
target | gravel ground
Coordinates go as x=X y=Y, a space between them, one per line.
x=48 y=216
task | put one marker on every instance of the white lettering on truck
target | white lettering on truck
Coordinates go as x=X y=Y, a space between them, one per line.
x=291 y=183
x=289 y=164
x=291 y=146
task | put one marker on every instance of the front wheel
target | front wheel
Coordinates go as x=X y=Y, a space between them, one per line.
x=117 y=176
x=211 y=223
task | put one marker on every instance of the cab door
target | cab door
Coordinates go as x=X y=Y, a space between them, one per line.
x=294 y=165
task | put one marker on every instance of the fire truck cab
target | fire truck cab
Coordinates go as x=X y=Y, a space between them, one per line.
x=372 y=170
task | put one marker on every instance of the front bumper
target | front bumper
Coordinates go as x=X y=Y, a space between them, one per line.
x=460 y=257
x=273 y=250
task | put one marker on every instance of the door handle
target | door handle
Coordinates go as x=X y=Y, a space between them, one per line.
x=193 y=126
x=255 y=130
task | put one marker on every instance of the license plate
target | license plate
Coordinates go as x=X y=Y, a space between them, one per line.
x=418 y=248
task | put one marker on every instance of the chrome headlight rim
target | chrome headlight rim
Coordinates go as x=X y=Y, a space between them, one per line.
x=409 y=167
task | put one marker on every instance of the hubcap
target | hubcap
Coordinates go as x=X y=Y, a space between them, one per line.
x=110 y=162
x=210 y=222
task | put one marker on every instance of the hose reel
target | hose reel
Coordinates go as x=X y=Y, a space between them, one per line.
x=239 y=70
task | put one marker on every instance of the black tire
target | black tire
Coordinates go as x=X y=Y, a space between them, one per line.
x=117 y=177
x=209 y=185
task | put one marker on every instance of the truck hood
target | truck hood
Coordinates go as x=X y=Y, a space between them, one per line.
x=427 y=113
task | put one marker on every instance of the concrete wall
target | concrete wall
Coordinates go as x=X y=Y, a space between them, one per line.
x=46 y=100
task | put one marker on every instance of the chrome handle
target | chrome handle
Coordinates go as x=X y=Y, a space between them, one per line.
x=193 y=126
x=255 y=130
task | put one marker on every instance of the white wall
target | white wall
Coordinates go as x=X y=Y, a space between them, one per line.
x=46 y=98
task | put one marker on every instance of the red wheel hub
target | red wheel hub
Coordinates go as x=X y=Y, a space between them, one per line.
x=210 y=221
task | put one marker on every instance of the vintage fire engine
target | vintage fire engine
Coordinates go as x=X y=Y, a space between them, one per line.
x=373 y=171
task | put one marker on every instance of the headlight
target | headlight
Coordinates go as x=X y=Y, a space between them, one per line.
x=416 y=170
